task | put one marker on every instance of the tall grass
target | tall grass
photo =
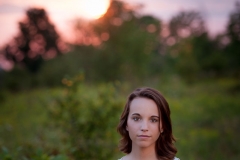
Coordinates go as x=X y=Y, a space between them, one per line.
x=79 y=121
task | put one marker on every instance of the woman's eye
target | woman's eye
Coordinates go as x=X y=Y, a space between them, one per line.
x=154 y=120
x=136 y=118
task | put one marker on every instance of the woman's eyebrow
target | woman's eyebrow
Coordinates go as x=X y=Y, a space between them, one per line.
x=137 y=114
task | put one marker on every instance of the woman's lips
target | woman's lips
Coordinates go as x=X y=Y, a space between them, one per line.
x=143 y=136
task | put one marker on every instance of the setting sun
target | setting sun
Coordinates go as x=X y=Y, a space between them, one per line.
x=94 y=8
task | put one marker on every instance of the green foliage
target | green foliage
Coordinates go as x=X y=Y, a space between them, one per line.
x=87 y=119
x=127 y=45
x=232 y=49
x=122 y=45
x=205 y=118
x=197 y=58
x=35 y=155
x=79 y=120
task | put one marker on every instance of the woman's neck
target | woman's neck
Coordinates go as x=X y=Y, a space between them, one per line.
x=148 y=153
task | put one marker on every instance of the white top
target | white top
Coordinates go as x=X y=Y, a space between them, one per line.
x=175 y=158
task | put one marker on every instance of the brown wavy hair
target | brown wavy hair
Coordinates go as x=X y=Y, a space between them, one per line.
x=165 y=148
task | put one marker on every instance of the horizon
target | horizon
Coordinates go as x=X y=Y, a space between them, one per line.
x=63 y=16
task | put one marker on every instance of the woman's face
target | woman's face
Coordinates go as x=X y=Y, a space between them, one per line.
x=143 y=122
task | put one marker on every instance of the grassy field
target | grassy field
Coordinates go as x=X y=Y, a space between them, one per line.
x=46 y=123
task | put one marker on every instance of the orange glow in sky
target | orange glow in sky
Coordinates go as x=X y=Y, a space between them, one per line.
x=89 y=9
x=94 y=8
x=61 y=13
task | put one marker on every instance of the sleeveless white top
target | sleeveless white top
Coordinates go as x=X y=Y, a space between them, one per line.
x=175 y=158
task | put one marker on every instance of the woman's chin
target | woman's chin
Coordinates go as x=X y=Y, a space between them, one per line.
x=143 y=144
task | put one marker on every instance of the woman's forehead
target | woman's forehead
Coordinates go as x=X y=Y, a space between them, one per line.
x=143 y=106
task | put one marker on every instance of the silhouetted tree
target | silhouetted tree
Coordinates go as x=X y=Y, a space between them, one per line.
x=185 y=24
x=233 y=48
x=192 y=52
x=126 y=42
x=36 y=41
x=233 y=27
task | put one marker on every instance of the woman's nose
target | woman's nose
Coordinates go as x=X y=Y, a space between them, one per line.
x=144 y=126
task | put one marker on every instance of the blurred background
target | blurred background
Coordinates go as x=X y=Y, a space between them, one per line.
x=67 y=67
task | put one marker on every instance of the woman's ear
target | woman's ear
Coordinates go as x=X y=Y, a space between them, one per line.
x=127 y=128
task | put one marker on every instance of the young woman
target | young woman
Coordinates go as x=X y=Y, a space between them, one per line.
x=145 y=127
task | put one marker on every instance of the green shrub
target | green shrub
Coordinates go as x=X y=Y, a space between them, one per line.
x=87 y=119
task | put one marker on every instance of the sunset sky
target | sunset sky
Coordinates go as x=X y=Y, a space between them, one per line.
x=62 y=12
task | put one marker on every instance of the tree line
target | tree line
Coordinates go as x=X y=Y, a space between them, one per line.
x=125 y=45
